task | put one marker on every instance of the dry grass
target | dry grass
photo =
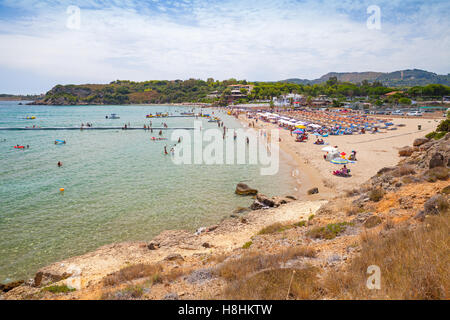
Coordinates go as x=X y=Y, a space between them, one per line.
x=403 y=171
x=376 y=194
x=437 y=173
x=414 y=264
x=275 y=284
x=253 y=262
x=274 y=228
x=128 y=293
x=133 y=272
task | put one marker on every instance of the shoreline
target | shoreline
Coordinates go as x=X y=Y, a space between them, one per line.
x=284 y=162
x=374 y=151
x=310 y=172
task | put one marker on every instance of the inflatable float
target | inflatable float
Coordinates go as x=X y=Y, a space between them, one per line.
x=19 y=147
x=155 y=138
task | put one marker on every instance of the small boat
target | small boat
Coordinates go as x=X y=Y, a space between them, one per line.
x=112 y=116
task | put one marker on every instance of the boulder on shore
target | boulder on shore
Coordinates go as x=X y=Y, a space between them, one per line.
x=245 y=190
x=256 y=205
x=405 y=151
x=420 y=141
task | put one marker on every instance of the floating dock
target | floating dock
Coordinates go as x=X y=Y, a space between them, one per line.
x=92 y=128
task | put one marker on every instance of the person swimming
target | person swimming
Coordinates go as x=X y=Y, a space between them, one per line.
x=59 y=164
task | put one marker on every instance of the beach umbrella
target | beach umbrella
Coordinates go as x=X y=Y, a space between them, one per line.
x=301 y=127
x=316 y=134
x=329 y=149
x=343 y=153
x=339 y=161
x=298 y=131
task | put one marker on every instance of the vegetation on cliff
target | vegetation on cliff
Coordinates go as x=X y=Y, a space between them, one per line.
x=212 y=91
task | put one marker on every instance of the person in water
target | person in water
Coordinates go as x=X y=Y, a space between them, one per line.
x=59 y=164
x=160 y=132
x=165 y=150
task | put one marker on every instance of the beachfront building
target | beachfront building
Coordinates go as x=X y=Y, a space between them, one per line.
x=288 y=100
x=238 y=87
x=213 y=94
x=239 y=91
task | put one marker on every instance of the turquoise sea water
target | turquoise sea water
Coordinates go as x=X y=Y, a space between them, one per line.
x=118 y=184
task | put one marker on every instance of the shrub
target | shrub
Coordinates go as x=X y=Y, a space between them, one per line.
x=58 y=289
x=330 y=231
x=436 y=204
x=431 y=135
x=444 y=126
x=274 y=228
x=300 y=224
x=376 y=194
x=436 y=173
x=247 y=245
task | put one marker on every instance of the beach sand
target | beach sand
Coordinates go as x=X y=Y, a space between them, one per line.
x=374 y=151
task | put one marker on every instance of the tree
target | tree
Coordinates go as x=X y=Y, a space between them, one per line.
x=405 y=101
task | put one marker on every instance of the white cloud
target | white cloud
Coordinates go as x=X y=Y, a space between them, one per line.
x=251 y=40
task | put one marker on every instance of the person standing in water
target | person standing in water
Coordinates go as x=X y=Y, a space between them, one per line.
x=165 y=150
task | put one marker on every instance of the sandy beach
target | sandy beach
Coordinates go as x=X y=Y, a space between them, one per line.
x=374 y=151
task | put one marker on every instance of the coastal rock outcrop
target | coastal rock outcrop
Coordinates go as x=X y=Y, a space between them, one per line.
x=266 y=201
x=244 y=189
x=420 y=141
x=9 y=286
x=256 y=205
x=405 y=151
x=437 y=160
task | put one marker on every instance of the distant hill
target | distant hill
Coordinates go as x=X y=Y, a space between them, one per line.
x=409 y=78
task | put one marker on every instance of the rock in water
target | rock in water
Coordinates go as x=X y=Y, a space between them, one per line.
x=245 y=190
x=9 y=286
x=265 y=200
x=313 y=191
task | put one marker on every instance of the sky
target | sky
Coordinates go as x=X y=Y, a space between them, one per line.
x=49 y=42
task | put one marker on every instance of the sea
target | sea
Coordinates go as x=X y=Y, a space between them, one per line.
x=118 y=184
